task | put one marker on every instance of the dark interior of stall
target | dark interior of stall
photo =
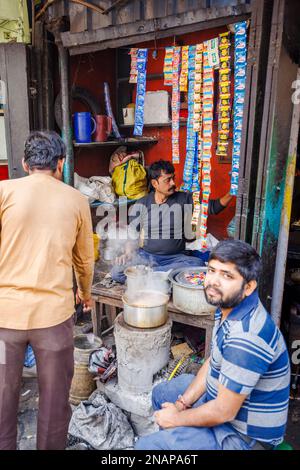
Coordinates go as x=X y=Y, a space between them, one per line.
x=291 y=300
x=90 y=71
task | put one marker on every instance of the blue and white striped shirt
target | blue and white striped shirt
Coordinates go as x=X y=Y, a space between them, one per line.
x=249 y=356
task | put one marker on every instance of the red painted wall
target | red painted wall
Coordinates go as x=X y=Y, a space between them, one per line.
x=3 y=172
x=91 y=70
x=220 y=171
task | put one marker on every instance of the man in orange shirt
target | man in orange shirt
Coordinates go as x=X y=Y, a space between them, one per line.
x=45 y=230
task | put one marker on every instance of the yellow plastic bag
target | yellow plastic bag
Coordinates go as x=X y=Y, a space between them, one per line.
x=96 y=246
x=130 y=180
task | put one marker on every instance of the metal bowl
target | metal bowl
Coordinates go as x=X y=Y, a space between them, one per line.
x=187 y=297
x=148 y=310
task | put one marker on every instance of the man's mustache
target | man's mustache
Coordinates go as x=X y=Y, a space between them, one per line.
x=209 y=286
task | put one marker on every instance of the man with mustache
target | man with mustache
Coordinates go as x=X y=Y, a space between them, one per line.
x=239 y=398
x=163 y=218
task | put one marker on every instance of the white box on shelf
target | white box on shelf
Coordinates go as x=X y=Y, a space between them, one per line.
x=156 y=109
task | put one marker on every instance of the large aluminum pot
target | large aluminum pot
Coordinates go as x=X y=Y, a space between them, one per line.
x=149 y=309
x=189 y=298
x=142 y=277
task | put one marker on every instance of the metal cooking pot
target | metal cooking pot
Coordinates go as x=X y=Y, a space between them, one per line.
x=142 y=277
x=148 y=310
x=189 y=298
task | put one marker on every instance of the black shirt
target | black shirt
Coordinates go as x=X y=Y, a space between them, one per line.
x=167 y=226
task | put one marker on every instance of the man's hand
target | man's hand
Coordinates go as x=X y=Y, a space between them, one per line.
x=87 y=304
x=167 y=417
x=123 y=259
x=179 y=405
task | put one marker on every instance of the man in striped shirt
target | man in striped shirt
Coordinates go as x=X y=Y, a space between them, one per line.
x=239 y=398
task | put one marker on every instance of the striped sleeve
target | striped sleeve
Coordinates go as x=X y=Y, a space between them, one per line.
x=246 y=357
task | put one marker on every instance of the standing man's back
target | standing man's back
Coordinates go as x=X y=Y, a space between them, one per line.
x=45 y=231
x=41 y=219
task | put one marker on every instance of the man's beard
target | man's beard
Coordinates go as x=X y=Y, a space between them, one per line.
x=230 y=302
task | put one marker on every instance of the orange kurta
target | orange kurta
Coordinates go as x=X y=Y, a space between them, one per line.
x=45 y=229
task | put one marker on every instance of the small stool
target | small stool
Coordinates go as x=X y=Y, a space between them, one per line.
x=100 y=313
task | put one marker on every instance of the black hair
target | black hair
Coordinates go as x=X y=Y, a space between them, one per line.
x=155 y=170
x=43 y=149
x=247 y=261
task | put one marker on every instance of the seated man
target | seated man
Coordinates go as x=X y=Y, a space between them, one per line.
x=239 y=398
x=163 y=217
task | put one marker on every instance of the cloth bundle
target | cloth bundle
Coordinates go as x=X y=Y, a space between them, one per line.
x=96 y=188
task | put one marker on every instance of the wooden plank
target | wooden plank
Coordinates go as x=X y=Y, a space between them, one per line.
x=189 y=21
x=125 y=14
x=148 y=9
x=78 y=18
x=137 y=10
x=13 y=71
x=109 y=301
x=98 y=20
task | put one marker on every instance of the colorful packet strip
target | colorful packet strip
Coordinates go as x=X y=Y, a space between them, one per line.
x=190 y=135
x=175 y=105
x=208 y=100
x=133 y=67
x=168 y=66
x=142 y=56
x=183 y=81
x=240 y=61
x=224 y=95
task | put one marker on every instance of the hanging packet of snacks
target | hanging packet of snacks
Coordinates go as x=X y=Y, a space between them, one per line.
x=208 y=106
x=133 y=68
x=183 y=82
x=140 y=92
x=224 y=95
x=197 y=128
x=175 y=105
x=198 y=88
x=213 y=53
x=190 y=134
x=168 y=66
x=240 y=66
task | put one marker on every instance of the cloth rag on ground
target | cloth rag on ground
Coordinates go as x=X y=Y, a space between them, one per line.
x=101 y=424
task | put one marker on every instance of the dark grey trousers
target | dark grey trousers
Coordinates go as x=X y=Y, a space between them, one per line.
x=53 y=348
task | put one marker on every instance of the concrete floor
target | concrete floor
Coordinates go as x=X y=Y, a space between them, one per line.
x=28 y=407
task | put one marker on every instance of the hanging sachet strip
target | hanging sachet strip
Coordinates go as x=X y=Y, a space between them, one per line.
x=183 y=82
x=133 y=67
x=140 y=92
x=208 y=107
x=175 y=105
x=198 y=88
x=224 y=95
x=168 y=66
x=190 y=133
x=198 y=111
x=240 y=65
x=213 y=53
x=198 y=121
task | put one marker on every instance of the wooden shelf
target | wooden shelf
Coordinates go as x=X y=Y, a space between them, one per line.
x=182 y=122
x=127 y=141
x=153 y=76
